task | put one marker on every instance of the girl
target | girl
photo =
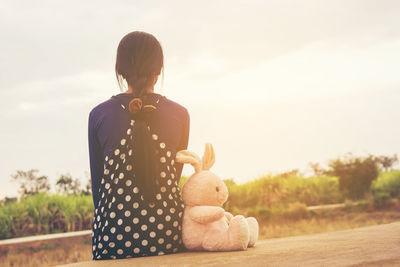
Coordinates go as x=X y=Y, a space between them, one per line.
x=133 y=139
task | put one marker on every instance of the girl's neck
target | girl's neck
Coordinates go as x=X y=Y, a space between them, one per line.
x=149 y=90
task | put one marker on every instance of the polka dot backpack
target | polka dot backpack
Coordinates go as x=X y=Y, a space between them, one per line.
x=125 y=224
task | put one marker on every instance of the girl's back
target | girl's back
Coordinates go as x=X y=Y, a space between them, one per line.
x=126 y=223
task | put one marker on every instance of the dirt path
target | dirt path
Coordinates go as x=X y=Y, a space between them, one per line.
x=368 y=246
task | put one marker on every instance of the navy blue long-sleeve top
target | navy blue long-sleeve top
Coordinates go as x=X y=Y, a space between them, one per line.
x=108 y=122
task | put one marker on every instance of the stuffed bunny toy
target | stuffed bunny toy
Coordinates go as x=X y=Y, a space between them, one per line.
x=207 y=226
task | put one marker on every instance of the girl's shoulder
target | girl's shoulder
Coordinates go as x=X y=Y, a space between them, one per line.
x=175 y=107
x=108 y=109
x=105 y=106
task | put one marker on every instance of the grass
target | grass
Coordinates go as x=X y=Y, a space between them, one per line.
x=45 y=213
x=282 y=190
x=47 y=253
x=316 y=225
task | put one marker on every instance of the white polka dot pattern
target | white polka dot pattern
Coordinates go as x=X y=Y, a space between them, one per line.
x=124 y=224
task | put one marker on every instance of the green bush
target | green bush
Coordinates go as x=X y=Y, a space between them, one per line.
x=355 y=174
x=381 y=199
x=385 y=188
x=280 y=190
x=388 y=182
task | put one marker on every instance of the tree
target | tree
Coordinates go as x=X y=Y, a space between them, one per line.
x=387 y=162
x=67 y=185
x=294 y=172
x=8 y=200
x=317 y=169
x=30 y=182
x=355 y=174
x=88 y=188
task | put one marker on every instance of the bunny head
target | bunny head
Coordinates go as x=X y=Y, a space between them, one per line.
x=203 y=187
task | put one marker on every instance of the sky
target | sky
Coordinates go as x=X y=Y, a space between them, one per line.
x=273 y=85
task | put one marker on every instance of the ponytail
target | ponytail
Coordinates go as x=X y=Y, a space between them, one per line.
x=139 y=60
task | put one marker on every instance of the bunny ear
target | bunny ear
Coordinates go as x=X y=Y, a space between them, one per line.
x=208 y=157
x=186 y=156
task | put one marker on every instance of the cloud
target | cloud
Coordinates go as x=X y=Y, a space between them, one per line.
x=317 y=70
x=273 y=84
x=62 y=92
x=48 y=39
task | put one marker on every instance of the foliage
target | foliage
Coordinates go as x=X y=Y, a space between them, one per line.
x=67 y=185
x=386 y=187
x=30 y=182
x=182 y=181
x=88 y=188
x=281 y=190
x=387 y=162
x=44 y=213
x=355 y=174
x=388 y=182
x=8 y=200
x=317 y=169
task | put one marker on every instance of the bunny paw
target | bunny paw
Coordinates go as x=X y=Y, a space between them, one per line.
x=253 y=229
x=239 y=232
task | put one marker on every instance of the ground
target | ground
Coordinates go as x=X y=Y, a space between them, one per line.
x=367 y=246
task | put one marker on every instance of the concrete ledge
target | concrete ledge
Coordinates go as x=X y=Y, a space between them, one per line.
x=326 y=207
x=368 y=246
x=38 y=238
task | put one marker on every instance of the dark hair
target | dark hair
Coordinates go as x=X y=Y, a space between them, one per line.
x=139 y=58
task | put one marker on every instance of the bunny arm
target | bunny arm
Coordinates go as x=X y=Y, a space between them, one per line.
x=206 y=214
